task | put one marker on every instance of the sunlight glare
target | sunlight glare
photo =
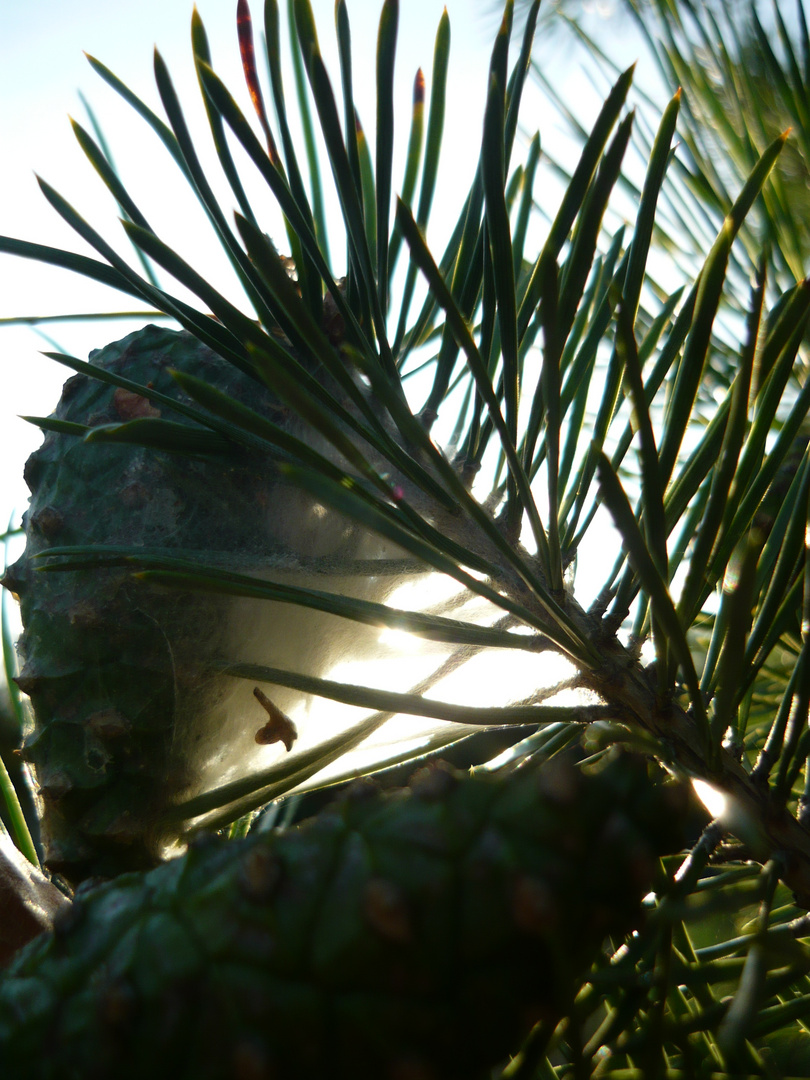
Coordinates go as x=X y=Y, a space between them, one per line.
x=714 y=801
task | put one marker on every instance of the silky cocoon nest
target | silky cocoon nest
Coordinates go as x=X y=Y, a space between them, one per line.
x=131 y=708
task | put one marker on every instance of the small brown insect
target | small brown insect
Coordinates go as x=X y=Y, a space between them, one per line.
x=279 y=728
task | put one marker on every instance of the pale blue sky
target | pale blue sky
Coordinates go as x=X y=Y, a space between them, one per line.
x=42 y=67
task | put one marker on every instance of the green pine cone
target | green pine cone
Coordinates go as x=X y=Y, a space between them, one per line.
x=130 y=711
x=418 y=933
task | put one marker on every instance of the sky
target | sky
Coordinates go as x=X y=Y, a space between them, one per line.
x=42 y=70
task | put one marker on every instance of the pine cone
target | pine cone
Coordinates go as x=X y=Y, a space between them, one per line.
x=418 y=933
